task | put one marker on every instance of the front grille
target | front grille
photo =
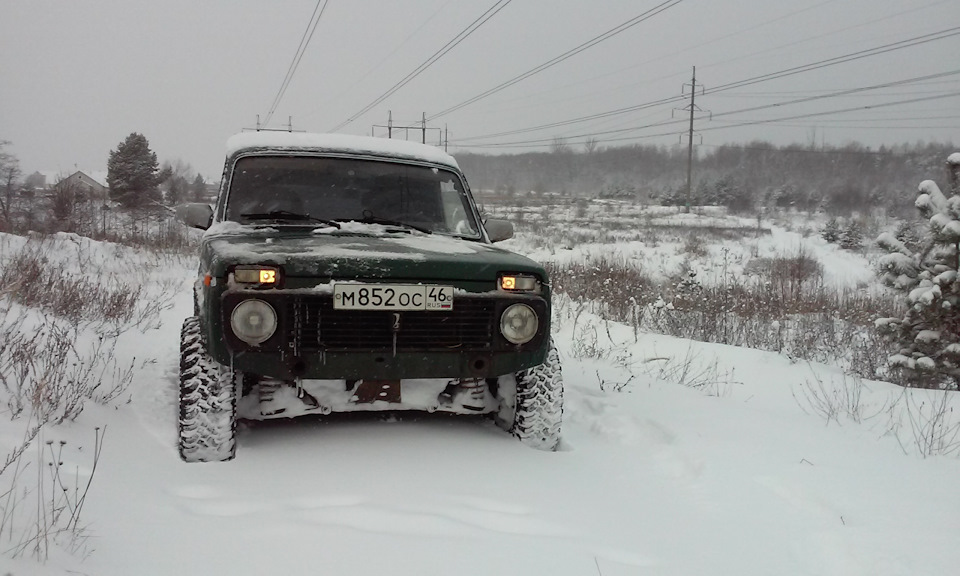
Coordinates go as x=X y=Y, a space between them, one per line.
x=314 y=325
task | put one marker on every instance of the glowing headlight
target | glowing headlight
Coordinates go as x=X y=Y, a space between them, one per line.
x=256 y=275
x=518 y=283
x=253 y=321
x=519 y=323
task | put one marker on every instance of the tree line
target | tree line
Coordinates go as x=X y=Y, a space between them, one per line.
x=745 y=178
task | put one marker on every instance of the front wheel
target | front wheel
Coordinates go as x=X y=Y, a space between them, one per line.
x=531 y=403
x=208 y=401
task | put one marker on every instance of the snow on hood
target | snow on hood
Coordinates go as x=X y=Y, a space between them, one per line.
x=417 y=241
x=340 y=143
x=280 y=249
x=288 y=250
x=229 y=227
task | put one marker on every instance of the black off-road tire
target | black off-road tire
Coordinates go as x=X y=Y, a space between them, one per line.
x=208 y=401
x=538 y=410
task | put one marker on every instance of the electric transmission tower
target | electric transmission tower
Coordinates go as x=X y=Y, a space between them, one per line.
x=692 y=108
x=420 y=126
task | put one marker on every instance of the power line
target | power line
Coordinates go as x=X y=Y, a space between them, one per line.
x=757 y=108
x=888 y=123
x=542 y=143
x=953 y=84
x=556 y=60
x=619 y=71
x=779 y=93
x=480 y=21
x=899 y=45
x=662 y=101
x=386 y=57
x=846 y=122
x=806 y=39
x=832 y=151
x=840 y=111
x=848 y=127
x=298 y=55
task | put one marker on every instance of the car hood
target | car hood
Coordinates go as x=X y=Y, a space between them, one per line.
x=378 y=253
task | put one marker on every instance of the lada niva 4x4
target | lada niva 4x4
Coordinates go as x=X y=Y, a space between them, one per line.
x=342 y=273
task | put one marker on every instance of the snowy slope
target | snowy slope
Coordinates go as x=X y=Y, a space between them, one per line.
x=733 y=473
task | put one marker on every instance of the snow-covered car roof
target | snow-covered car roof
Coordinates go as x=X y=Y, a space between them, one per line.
x=342 y=143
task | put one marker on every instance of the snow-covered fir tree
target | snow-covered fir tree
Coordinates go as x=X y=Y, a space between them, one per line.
x=198 y=190
x=928 y=334
x=132 y=173
x=852 y=236
x=909 y=233
x=831 y=231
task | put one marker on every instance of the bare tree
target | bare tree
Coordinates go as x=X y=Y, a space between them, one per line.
x=175 y=181
x=591 y=145
x=66 y=195
x=9 y=180
x=559 y=145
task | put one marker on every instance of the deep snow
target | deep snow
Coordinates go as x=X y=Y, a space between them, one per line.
x=735 y=476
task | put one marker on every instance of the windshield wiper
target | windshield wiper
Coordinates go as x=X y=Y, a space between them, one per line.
x=389 y=222
x=288 y=215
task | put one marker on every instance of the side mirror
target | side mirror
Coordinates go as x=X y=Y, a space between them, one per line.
x=499 y=230
x=195 y=215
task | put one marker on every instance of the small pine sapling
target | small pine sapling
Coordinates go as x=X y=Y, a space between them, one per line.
x=831 y=231
x=852 y=236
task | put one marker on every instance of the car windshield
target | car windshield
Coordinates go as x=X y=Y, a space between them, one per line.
x=304 y=189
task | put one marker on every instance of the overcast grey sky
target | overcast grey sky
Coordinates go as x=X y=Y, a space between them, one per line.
x=76 y=77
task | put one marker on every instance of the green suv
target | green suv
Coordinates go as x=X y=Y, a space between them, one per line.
x=342 y=273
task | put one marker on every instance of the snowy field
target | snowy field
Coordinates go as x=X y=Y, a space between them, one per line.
x=678 y=457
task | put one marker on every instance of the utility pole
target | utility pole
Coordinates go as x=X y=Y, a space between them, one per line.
x=262 y=128
x=446 y=137
x=416 y=126
x=693 y=110
x=693 y=95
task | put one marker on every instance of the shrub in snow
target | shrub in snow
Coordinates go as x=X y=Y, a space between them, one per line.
x=831 y=231
x=689 y=285
x=928 y=334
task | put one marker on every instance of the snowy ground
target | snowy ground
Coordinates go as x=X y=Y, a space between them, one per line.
x=678 y=458
x=655 y=239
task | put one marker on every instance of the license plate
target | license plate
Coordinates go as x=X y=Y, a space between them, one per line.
x=392 y=297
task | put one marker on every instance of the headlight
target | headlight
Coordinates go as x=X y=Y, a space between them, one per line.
x=519 y=323
x=253 y=321
x=519 y=283
x=256 y=275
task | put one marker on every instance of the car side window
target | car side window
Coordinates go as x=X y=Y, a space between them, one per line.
x=455 y=208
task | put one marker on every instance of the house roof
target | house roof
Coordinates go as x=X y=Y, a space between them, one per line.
x=54 y=176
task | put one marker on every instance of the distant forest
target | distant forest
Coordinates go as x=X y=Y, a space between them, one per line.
x=838 y=180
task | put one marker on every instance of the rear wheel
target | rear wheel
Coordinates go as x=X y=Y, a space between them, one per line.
x=208 y=401
x=531 y=403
